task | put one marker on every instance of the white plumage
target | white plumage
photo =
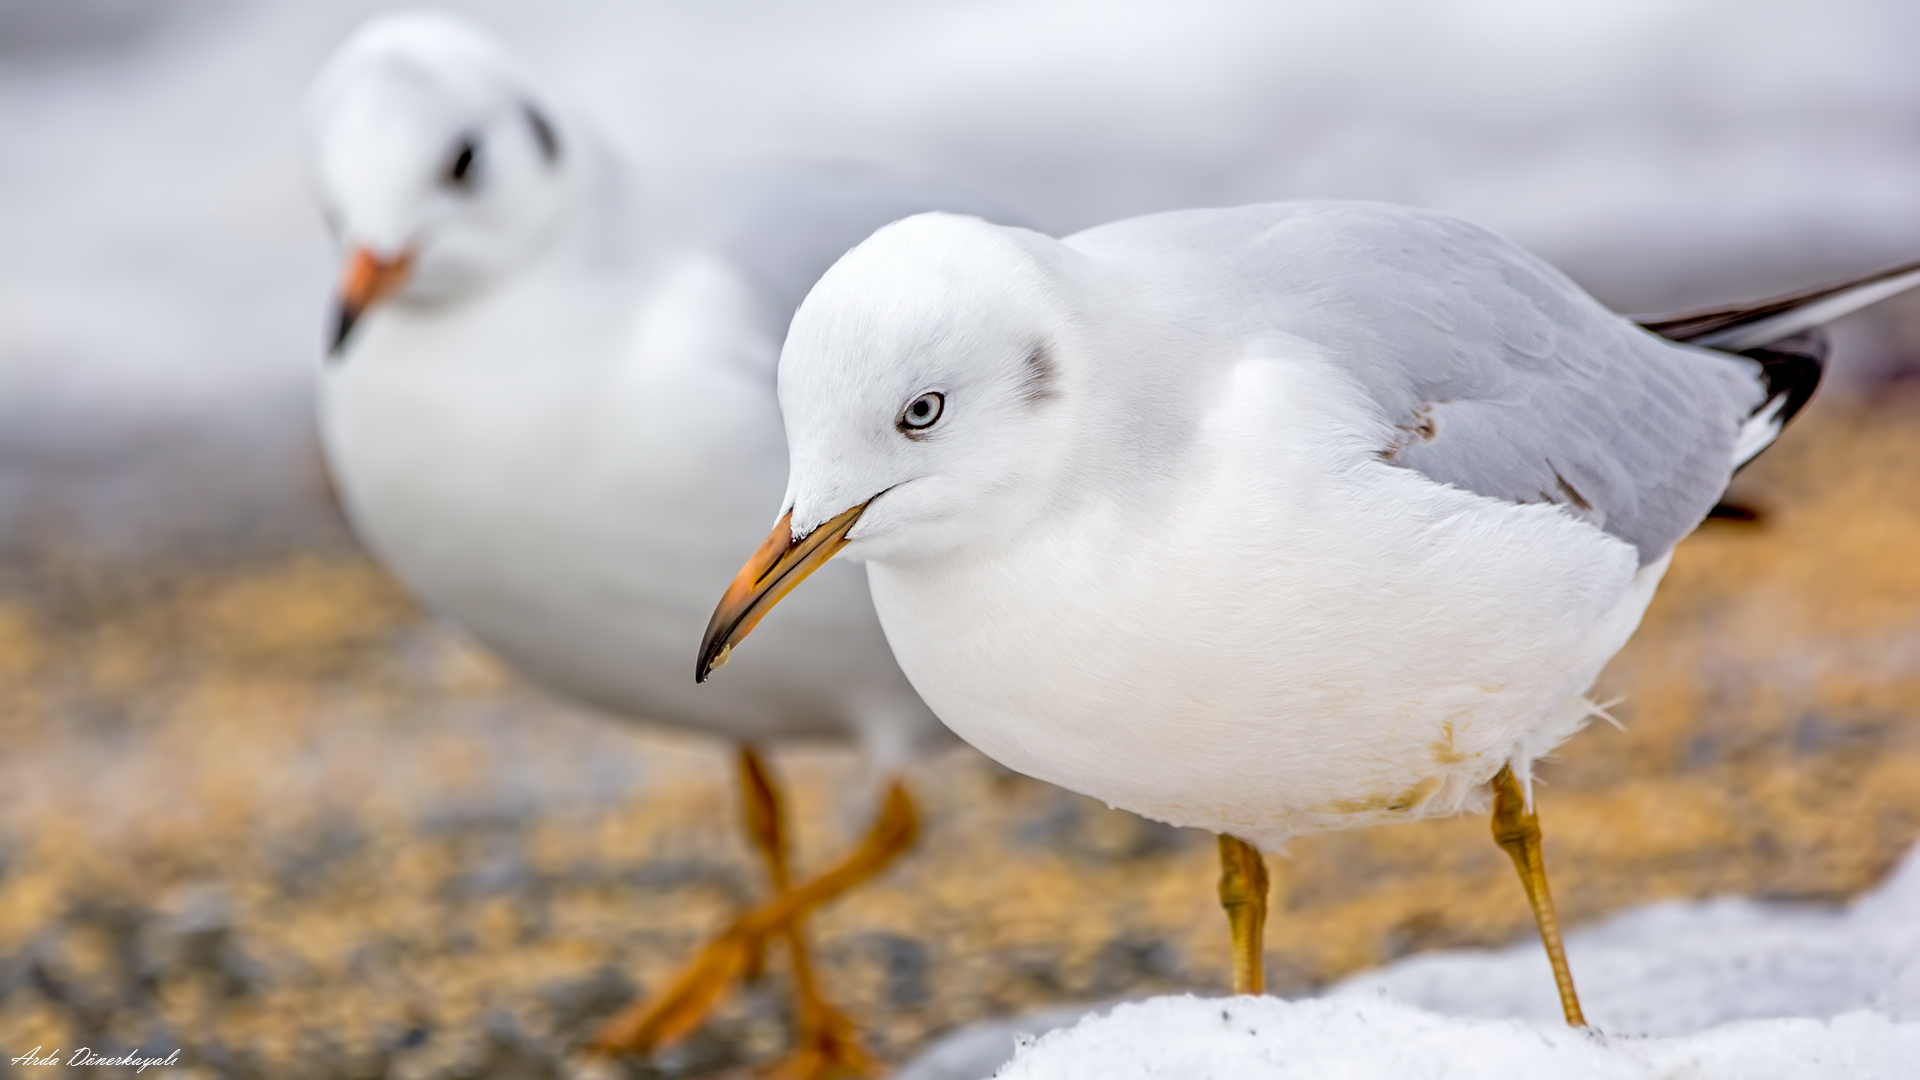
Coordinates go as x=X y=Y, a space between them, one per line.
x=561 y=433
x=1262 y=521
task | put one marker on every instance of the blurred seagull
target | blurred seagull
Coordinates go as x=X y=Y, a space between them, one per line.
x=1265 y=520
x=550 y=409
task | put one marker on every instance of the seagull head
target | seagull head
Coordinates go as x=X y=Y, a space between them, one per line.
x=437 y=162
x=928 y=385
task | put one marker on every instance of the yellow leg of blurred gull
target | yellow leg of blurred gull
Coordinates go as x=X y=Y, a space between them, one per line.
x=827 y=1046
x=1518 y=830
x=825 y=1041
x=1243 y=892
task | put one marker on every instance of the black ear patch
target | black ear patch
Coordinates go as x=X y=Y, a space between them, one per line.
x=543 y=132
x=459 y=169
x=1038 y=382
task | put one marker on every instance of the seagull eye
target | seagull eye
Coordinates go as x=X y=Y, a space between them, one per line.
x=460 y=168
x=922 y=411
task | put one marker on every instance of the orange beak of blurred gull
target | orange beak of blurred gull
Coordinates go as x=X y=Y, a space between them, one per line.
x=776 y=569
x=369 y=279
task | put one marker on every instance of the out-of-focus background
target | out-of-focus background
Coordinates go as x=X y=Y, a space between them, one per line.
x=257 y=805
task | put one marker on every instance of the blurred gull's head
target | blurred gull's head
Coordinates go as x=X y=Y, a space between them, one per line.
x=437 y=161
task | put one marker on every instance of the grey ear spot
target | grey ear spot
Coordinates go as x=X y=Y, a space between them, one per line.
x=1038 y=376
x=543 y=132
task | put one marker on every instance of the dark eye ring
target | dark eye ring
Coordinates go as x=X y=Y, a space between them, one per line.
x=922 y=411
x=460 y=169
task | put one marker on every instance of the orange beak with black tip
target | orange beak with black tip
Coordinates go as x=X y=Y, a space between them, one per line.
x=369 y=280
x=782 y=563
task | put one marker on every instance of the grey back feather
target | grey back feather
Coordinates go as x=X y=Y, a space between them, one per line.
x=1496 y=373
x=1540 y=394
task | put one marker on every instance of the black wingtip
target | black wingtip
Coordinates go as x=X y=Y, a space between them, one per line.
x=1792 y=369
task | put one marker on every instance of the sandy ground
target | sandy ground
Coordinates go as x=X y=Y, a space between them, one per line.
x=270 y=815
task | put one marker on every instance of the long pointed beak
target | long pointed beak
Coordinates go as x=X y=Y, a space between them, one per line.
x=369 y=280
x=781 y=564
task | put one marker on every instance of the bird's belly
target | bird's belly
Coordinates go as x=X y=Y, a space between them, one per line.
x=1308 y=686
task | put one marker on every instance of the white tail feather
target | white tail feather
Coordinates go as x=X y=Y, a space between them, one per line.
x=1759 y=431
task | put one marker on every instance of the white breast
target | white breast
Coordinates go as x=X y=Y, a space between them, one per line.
x=1301 y=637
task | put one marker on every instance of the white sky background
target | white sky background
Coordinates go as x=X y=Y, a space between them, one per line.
x=164 y=281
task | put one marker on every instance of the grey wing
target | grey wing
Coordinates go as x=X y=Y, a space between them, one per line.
x=1501 y=376
x=788 y=221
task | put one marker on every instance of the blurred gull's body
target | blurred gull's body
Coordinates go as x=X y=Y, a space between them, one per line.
x=540 y=359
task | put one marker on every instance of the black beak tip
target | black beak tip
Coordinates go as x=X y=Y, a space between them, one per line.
x=713 y=653
x=342 y=329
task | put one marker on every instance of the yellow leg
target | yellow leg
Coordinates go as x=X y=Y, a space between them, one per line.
x=736 y=951
x=1517 y=829
x=1243 y=892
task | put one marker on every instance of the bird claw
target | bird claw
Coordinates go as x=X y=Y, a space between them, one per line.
x=824 y=1034
x=827 y=1049
x=827 y=1045
x=649 y=1025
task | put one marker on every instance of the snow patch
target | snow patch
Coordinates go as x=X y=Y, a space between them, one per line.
x=1727 y=987
x=1676 y=968
x=1370 y=1035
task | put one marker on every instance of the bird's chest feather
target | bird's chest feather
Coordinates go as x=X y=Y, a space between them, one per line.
x=1288 y=646
x=442 y=467
x=538 y=472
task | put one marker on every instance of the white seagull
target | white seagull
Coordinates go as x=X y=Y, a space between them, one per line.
x=1266 y=520
x=551 y=411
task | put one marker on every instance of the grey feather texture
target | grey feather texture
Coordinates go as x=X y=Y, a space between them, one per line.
x=1549 y=397
x=1499 y=374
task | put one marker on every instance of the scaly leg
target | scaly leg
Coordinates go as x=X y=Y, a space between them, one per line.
x=1517 y=829
x=692 y=996
x=1243 y=892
